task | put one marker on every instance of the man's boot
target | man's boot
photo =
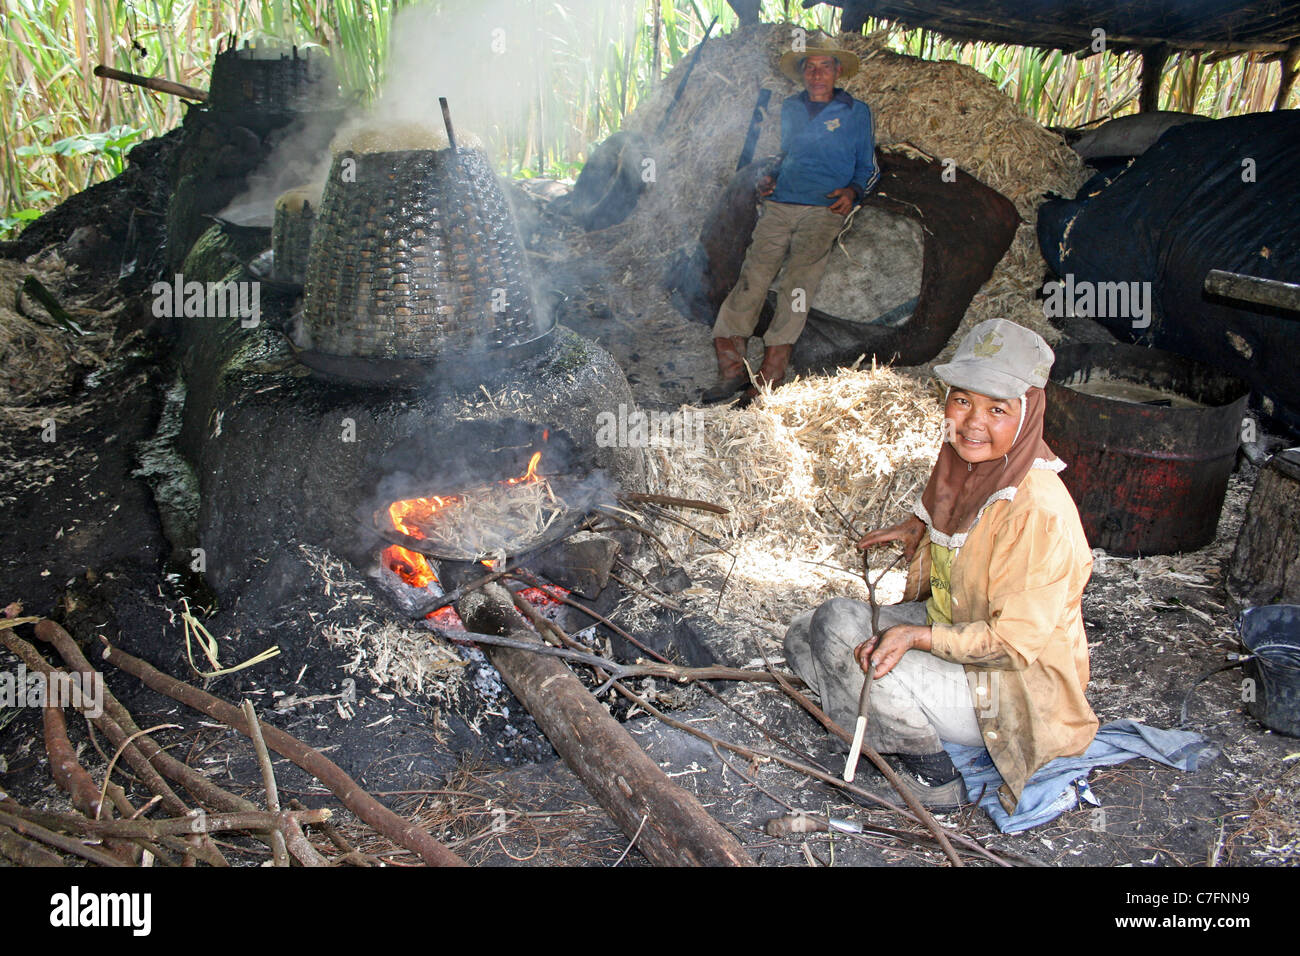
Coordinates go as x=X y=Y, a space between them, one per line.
x=732 y=376
x=776 y=358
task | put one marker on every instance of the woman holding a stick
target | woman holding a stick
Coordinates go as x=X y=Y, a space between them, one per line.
x=989 y=647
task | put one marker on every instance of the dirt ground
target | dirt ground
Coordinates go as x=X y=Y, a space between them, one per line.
x=82 y=541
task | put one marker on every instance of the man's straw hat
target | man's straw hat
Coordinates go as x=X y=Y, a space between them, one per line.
x=818 y=44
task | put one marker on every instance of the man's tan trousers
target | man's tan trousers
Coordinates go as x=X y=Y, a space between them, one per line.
x=805 y=234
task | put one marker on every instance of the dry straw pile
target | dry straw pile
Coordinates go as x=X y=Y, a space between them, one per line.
x=863 y=439
x=399 y=656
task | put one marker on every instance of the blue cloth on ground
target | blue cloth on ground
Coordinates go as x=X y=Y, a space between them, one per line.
x=1062 y=784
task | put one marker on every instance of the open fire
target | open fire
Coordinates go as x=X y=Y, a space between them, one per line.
x=494 y=519
x=509 y=515
x=416 y=572
x=421 y=518
x=411 y=566
x=481 y=494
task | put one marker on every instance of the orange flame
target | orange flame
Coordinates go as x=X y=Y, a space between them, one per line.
x=530 y=475
x=408 y=515
x=410 y=566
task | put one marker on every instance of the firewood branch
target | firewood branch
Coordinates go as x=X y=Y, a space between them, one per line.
x=199 y=786
x=125 y=741
x=615 y=670
x=909 y=798
x=279 y=853
x=197 y=822
x=356 y=799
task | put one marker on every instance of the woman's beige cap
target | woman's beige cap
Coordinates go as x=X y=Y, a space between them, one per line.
x=999 y=359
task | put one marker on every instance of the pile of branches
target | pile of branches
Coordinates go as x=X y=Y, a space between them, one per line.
x=555 y=642
x=107 y=828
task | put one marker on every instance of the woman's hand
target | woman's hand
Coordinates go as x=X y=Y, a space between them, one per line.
x=908 y=533
x=892 y=645
x=766 y=186
x=862 y=653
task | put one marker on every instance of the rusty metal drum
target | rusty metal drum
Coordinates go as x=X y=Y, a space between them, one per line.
x=1149 y=439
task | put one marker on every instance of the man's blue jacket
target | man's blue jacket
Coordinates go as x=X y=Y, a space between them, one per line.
x=834 y=149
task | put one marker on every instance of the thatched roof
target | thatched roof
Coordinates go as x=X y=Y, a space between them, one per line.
x=1220 y=25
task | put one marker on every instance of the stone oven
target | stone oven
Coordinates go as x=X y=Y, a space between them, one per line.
x=419 y=371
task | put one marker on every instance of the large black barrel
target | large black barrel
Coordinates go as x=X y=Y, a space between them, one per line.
x=1149 y=451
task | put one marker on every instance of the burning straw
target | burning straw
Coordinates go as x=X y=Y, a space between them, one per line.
x=865 y=439
x=491 y=521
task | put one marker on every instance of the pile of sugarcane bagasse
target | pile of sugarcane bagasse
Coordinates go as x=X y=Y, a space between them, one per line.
x=796 y=469
x=865 y=438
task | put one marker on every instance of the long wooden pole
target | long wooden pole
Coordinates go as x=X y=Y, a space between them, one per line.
x=669 y=825
x=1235 y=285
x=155 y=83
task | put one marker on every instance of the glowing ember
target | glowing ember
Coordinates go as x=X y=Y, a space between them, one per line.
x=410 y=566
x=446 y=617
x=539 y=598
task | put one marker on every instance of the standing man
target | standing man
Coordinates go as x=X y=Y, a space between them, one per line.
x=827 y=167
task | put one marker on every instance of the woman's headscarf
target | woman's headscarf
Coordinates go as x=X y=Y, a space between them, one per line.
x=1002 y=360
x=958 y=491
